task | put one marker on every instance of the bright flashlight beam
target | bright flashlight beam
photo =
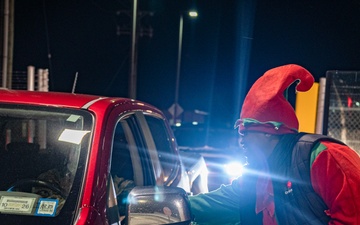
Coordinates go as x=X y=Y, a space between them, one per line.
x=234 y=169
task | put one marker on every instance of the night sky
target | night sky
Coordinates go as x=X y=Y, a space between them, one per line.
x=225 y=49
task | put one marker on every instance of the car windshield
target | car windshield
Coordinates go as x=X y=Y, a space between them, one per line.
x=42 y=155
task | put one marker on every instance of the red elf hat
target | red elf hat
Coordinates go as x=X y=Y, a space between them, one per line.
x=265 y=107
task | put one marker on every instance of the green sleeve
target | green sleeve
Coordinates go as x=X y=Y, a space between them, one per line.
x=221 y=206
x=316 y=150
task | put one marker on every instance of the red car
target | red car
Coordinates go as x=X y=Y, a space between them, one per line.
x=73 y=159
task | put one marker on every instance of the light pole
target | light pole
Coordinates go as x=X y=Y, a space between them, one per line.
x=177 y=82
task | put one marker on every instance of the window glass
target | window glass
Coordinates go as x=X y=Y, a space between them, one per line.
x=164 y=146
x=121 y=165
x=42 y=151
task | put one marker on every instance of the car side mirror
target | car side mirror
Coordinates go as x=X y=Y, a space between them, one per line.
x=158 y=205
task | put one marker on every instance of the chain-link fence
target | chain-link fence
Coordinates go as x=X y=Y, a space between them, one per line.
x=30 y=80
x=348 y=133
x=19 y=80
x=343 y=94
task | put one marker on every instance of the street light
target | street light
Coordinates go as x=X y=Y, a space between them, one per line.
x=181 y=25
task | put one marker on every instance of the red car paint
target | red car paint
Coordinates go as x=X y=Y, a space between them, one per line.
x=91 y=203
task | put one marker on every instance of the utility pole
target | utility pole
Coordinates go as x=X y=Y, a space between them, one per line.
x=5 y=43
x=8 y=36
x=133 y=74
x=136 y=30
x=10 y=44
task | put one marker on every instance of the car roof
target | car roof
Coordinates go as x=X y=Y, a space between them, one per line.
x=56 y=99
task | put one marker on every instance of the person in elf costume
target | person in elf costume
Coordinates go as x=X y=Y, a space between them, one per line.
x=293 y=178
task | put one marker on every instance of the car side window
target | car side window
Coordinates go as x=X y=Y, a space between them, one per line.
x=121 y=170
x=126 y=160
x=164 y=145
x=121 y=164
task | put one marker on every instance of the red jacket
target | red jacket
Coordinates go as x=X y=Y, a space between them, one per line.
x=335 y=176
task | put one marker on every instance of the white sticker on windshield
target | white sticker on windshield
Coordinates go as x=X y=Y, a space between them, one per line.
x=47 y=207
x=73 y=118
x=72 y=136
x=12 y=204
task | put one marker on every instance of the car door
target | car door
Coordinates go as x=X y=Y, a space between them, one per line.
x=130 y=159
x=162 y=147
x=143 y=142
